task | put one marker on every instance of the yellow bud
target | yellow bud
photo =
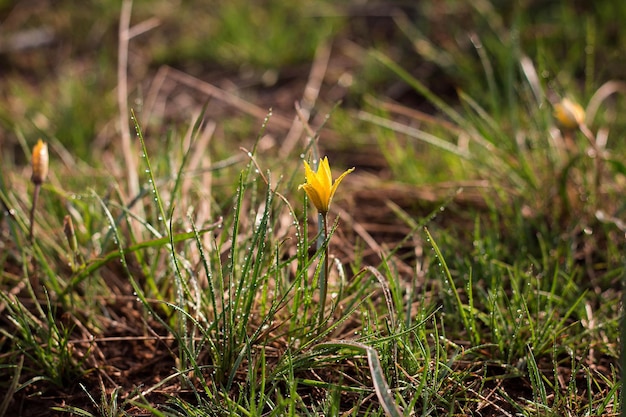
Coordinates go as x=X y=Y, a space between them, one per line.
x=40 y=162
x=569 y=114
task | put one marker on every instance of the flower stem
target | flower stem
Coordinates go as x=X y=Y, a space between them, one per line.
x=323 y=279
x=32 y=212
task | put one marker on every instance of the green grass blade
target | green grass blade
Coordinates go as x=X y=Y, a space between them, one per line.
x=150 y=172
x=468 y=321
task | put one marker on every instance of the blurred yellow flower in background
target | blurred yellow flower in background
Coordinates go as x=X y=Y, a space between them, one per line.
x=40 y=162
x=569 y=114
x=319 y=185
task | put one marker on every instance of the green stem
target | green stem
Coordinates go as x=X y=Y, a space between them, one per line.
x=32 y=212
x=323 y=279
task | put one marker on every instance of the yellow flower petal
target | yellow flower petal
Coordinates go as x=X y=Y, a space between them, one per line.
x=316 y=199
x=312 y=177
x=324 y=174
x=336 y=184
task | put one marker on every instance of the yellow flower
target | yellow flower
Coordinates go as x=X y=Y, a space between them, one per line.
x=319 y=185
x=569 y=114
x=40 y=162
